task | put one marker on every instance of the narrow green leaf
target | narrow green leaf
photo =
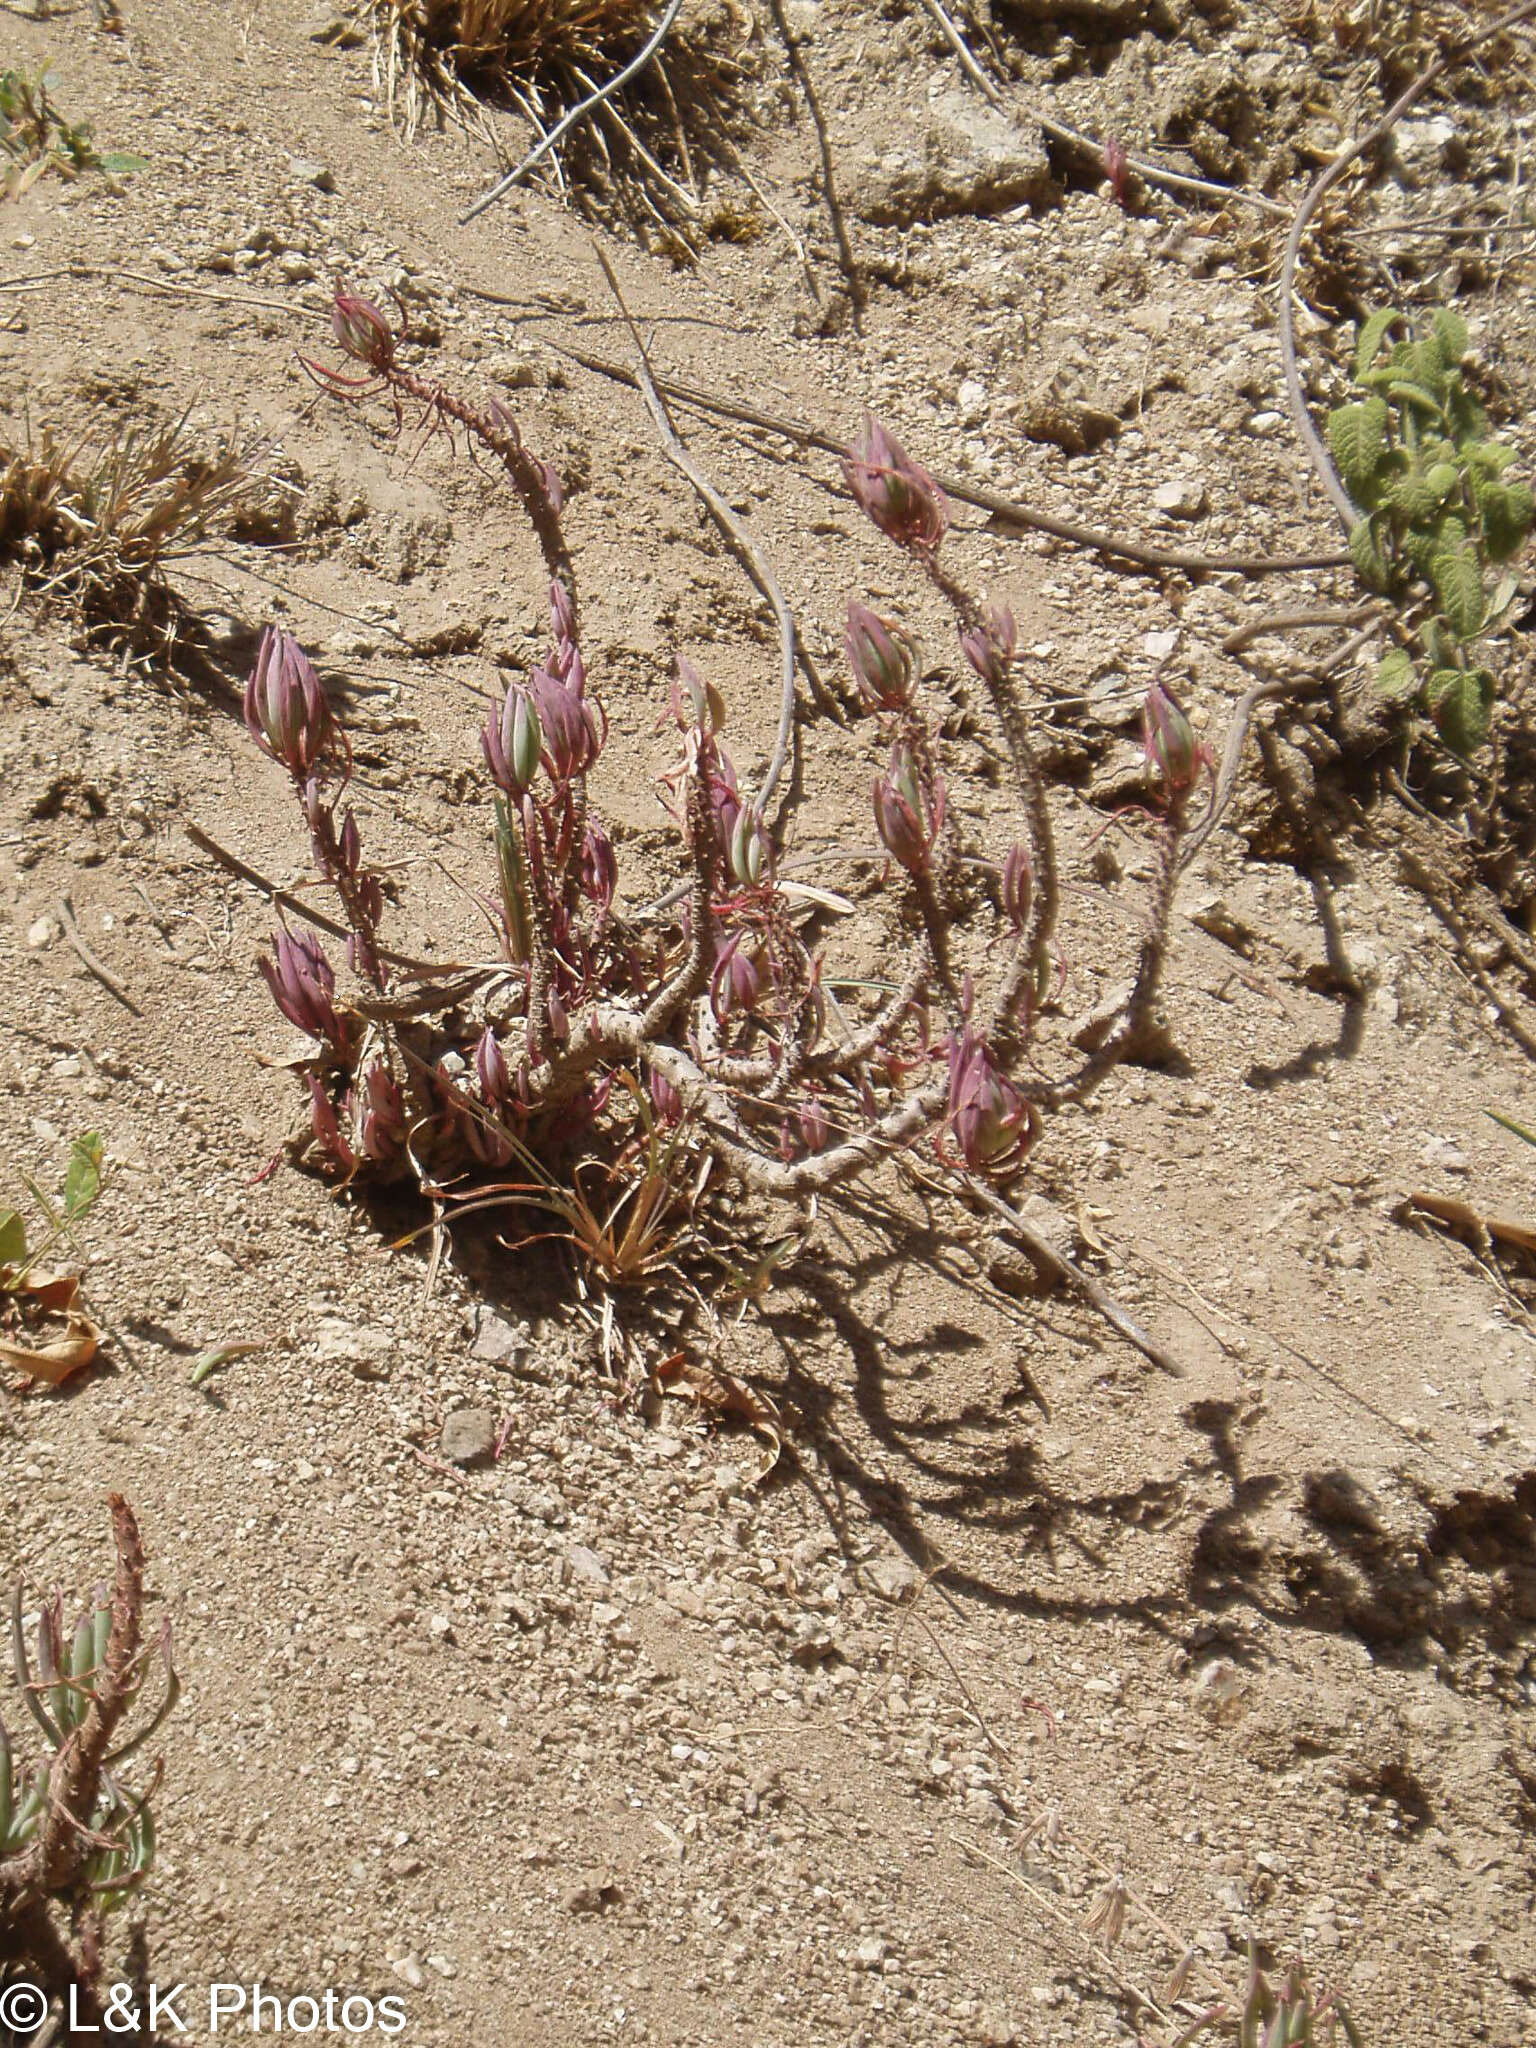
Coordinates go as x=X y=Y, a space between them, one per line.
x=208 y=1362
x=13 y=1239
x=1510 y=1125
x=1407 y=392
x=82 y=1181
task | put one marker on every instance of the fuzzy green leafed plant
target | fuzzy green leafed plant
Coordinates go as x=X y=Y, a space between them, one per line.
x=1438 y=508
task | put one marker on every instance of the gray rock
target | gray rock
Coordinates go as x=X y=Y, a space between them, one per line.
x=1181 y=497
x=303 y=172
x=893 y=1578
x=496 y=1338
x=469 y=1437
x=581 y=1563
x=966 y=158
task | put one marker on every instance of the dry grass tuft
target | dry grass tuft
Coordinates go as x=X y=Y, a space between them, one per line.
x=97 y=522
x=637 y=157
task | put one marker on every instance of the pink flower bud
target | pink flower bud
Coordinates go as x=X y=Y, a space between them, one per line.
x=303 y=984
x=491 y=1067
x=562 y=611
x=900 y=812
x=285 y=710
x=378 y=1114
x=897 y=493
x=571 y=739
x=1171 y=747
x=814 y=1127
x=350 y=846
x=361 y=331
x=665 y=1099
x=881 y=659
x=599 y=866
x=512 y=740
x=736 y=984
x=326 y=1129
x=990 y=646
x=1117 y=169
x=1018 y=886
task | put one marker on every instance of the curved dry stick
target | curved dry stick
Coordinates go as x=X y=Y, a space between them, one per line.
x=1326 y=179
x=1007 y=510
x=853 y=276
x=632 y=69
x=742 y=542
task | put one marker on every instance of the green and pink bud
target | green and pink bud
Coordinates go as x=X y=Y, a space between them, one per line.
x=378 y=1115
x=303 y=985
x=512 y=741
x=908 y=820
x=991 y=645
x=880 y=657
x=285 y=709
x=1170 y=743
x=736 y=984
x=897 y=493
x=1018 y=886
x=572 y=737
x=361 y=331
x=991 y=1123
x=751 y=851
x=666 y=1100
x=491 y=1068
x=696 y=704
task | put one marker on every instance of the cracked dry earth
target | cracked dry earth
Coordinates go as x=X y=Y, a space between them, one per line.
x=603 y=1738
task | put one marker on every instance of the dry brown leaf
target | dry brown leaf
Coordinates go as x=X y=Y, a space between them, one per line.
x=721 y=1394
x=60 y=1358
x=1463 y=1217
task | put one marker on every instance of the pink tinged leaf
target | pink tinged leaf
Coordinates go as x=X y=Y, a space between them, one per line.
x=665 y=1099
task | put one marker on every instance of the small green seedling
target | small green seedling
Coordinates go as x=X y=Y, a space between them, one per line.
x=36 y=138
x=44 y=1332
x=1438 y=506
x=83 y=1179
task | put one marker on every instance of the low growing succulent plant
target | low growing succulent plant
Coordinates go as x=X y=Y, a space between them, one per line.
x=72 y=1828
x=721 y=1020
